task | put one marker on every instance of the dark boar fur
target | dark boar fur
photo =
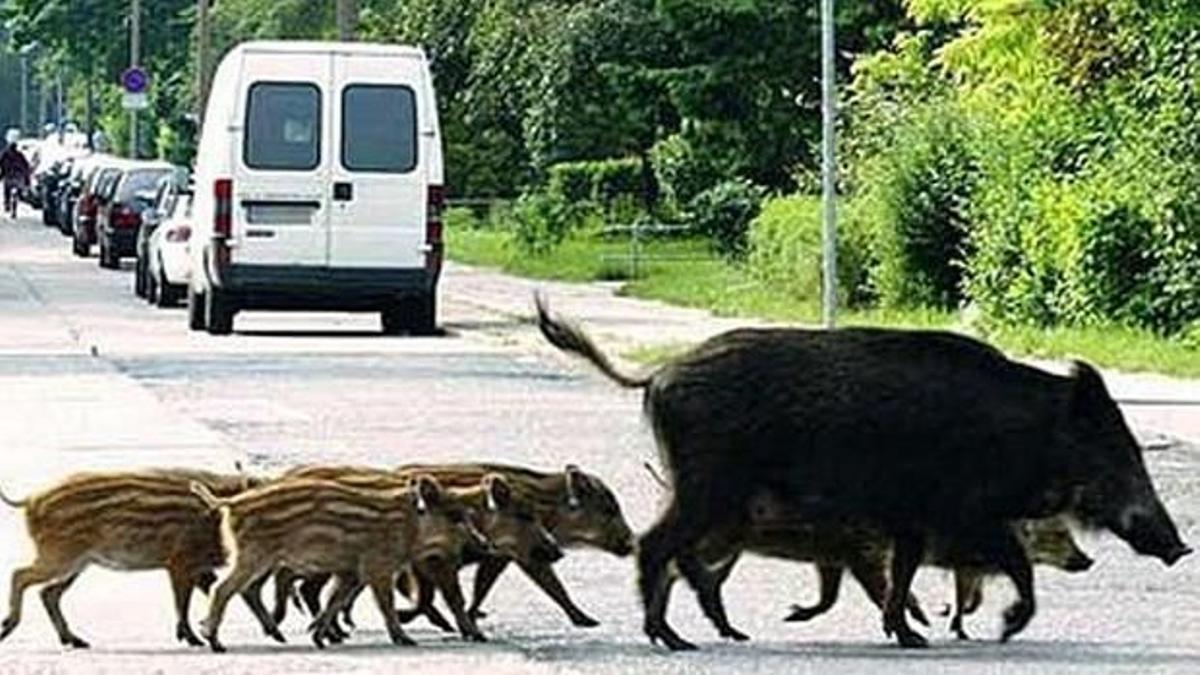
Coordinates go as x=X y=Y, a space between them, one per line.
x=917 y=432
x=128 y=520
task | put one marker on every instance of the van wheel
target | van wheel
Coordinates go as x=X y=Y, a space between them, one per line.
x=80 y=249
x=139 y=279
x=165 y=294
x=414 y=314
x=107 y=260
x=219 y=313
x=196 y=306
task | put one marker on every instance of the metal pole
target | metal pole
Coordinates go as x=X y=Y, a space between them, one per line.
x=828 y=167
x=202 y=66
x=135 y=46
x=24 y=94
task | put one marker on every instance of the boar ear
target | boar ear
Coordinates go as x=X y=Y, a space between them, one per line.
x=1089 y=396
x=426 y=493
x=576 y=485
x=499 y=494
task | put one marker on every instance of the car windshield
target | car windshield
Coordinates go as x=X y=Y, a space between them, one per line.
x=141 y=181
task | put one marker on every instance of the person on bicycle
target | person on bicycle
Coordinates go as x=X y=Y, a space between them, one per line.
x=14 y=172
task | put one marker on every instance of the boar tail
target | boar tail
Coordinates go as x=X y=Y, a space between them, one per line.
x=206 y=495
x=16 y=504
x=570 y=338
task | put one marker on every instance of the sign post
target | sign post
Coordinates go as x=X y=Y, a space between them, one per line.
x=828 y=168
x=134 y=79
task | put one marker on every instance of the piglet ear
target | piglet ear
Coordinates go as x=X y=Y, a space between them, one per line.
x=499 y=494
x=426 y=493
x=576 y=484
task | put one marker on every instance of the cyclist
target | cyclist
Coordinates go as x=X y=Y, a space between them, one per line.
x=14 y=172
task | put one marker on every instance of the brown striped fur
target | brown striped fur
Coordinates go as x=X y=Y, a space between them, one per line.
x=320 y=526
x=133 y=520
x=577 y=508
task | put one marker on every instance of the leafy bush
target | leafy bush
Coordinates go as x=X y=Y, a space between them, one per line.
x=916 y=199
x=723 y=214
x=601 y=181
x=682 y=170
x=541 y=221
x=786 y=249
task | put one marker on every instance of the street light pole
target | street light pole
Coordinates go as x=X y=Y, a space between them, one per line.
x=135 y=46
x=828 y=168
x=24 y=93
x=347 y=19
x=202 y=65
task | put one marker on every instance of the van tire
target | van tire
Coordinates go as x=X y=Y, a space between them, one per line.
x=80 y=249
x=196 y=308
x=413 y=314
x=107 y=260
x=165 y=295
x=218 y=312
x=140 y=287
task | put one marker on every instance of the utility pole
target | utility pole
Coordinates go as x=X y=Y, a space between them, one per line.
x=828 y=168
x=24 y=93
x=135 y=46
x=203 y=68
x=347 y=19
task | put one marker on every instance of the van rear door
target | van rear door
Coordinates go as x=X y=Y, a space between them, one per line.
x=377 y=219
x=281 y=209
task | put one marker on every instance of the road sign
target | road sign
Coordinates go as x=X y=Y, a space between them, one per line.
x=135 y=80
x=134 y=102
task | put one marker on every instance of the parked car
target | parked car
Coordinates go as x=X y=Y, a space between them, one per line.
x=88 y=205
x=119 y=215
x=165 y=196
x=54 y=163
x=168 y=265
x=318 y=185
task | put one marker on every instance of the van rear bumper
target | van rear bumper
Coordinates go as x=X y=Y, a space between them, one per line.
x=305 y=287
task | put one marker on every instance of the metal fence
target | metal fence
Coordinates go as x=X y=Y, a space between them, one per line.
x=639 y=232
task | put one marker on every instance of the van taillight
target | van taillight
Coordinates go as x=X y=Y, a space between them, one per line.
x=223 y=207
x=435 y=202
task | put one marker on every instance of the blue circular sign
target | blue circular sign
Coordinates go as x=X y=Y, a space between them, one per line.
x=135 y=81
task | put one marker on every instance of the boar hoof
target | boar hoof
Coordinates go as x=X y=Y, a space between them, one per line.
x=731 y=633
x=275 y=635
x=669 y=638
x=75 y=642
x=402 y=640
x=7 y=627
x=799 y=613
x=215 y=645
x=1016 y=617
x=910 y=639
x=584 y=621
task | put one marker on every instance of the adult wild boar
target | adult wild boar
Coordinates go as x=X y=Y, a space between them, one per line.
x=922 y=433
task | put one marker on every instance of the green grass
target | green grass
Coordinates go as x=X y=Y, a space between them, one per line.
x=707 y=282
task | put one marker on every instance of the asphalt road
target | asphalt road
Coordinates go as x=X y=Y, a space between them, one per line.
x=91 y=377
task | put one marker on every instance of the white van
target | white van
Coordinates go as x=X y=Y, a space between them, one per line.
x=318 y=185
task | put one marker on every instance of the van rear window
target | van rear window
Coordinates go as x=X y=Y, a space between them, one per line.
x=379 y=128
x=283 y=127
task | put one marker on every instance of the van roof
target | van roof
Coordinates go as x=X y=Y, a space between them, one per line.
x=310 y=47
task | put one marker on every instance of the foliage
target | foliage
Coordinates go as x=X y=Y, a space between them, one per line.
x=723 y=214
x=786 y=250
x=602 y=181
x=541 y=221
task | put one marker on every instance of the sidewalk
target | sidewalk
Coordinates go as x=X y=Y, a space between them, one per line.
x=1161 y=409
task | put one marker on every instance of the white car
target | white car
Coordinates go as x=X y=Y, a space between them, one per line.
x=318 y=185
x=168 y=264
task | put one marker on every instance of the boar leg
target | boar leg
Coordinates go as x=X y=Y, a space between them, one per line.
x=906 y=557
x=39 y=572
x=831 y=584
x=490 y=569
x=871 y=573
x=543 y=575
x=1009 y=553
x=966 y=585
x=323 y=626
x=238 y=578
x=445 y=575
x=285 y=588
x=670 y=536
x=381 y=582
x=424 y=604
x=252 y=596
x=51 y=597
x=182 y=583
x=708 y=589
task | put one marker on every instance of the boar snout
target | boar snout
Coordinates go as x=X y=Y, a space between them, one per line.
x=1151 y=532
